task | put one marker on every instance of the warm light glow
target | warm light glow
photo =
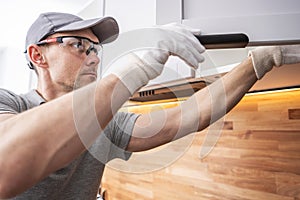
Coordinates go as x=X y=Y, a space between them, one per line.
x=149 y=106
x=273 y=91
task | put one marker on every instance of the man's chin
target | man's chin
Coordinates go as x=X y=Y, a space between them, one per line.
x=83 y=81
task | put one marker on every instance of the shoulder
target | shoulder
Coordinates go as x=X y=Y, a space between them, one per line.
x=7 y=93
x=11 y=102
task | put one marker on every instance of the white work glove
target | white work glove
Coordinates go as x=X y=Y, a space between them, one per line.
x=264 y=58
x=173 y=39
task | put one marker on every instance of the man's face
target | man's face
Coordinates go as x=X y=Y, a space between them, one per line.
x=69 y=65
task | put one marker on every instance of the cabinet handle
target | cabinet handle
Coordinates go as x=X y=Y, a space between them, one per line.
x=220 y=41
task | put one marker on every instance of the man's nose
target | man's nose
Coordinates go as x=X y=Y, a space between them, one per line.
x=91 y=49
x=92 y=59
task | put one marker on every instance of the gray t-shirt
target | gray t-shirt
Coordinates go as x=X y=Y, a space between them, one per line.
x=81 y=178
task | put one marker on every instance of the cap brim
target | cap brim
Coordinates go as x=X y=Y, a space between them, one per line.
x=106 y=29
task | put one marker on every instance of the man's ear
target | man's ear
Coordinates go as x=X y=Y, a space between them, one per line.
x=36 y=56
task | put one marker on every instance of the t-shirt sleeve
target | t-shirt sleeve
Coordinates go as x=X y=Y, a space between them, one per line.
x=9 y=102
x=121 y=128
x=116 y=137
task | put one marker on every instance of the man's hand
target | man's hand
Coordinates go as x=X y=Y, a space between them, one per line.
x=172 y=39
x=264 y=58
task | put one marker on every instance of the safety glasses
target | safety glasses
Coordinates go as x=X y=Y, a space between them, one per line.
x=76 y=44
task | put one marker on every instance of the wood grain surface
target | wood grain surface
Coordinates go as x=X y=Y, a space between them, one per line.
x=256 y=157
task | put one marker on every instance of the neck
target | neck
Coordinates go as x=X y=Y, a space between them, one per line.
x=49 y=90
x=49 y=93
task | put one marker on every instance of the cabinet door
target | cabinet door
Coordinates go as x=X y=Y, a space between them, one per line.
x=264 y=21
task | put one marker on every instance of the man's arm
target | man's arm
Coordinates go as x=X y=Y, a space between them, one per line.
x=197 y=113
x=5 y=116
x=46 y=138
x=209 y=104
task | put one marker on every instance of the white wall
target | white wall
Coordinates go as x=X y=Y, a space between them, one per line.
x=132 y=14
x=14 y=74
x=92 y=9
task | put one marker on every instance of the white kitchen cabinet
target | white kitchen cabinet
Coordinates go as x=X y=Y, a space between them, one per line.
x=265 y=22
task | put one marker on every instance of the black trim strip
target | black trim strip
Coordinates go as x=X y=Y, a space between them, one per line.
x=220 y=41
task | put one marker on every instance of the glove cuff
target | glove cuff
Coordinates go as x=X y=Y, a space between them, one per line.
x=264 y=58
x=138 y=72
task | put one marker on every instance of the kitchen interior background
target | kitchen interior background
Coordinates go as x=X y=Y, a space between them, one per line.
x=257 y=150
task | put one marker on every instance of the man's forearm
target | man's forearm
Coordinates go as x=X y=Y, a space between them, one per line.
x=220 y=97
x=195 y=114
x=46 y=138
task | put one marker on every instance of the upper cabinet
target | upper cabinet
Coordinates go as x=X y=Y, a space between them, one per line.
x=264 y=21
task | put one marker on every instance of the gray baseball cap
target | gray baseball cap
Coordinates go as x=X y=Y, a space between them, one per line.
x=105 y=28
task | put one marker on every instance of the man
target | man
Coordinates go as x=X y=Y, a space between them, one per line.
x=45 y=134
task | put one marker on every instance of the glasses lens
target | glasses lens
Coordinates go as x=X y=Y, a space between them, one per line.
x=97 y=48
x=90 y=46
x=75 y=45
x=81 y=45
